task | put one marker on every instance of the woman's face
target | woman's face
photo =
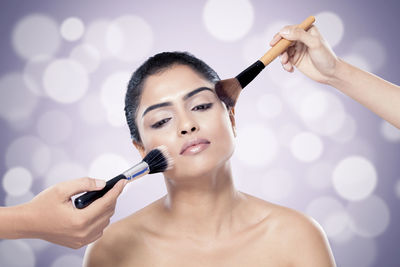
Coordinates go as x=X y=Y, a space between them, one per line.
x=178 y=108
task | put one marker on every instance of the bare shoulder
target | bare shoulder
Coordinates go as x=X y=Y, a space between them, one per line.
x=111 y=248
x=299 y=235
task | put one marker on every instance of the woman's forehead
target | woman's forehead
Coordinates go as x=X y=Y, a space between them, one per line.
x=172 y=83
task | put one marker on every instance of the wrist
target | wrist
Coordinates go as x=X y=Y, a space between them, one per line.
x=340 y=73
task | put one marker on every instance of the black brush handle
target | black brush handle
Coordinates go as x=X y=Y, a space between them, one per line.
x=87 y=198
x=246 y=76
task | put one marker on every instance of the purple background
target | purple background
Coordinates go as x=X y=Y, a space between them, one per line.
x=180 y=25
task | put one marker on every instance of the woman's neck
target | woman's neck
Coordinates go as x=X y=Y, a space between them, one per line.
x=202 y=206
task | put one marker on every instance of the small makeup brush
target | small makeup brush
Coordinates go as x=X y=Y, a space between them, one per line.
x=157 y=160
x=228 y=90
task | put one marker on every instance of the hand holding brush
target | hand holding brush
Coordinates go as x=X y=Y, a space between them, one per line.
x=157 y=160
x=228 y=90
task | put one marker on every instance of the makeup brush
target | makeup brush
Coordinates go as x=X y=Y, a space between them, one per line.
x=228 y=90
x=157 y=160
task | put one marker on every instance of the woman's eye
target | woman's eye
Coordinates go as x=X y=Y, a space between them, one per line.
x=203 y=106
x=160 y=123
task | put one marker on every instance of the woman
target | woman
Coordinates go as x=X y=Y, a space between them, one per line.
x=203 y=220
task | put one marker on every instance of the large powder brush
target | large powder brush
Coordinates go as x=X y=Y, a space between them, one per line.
x=228 y=90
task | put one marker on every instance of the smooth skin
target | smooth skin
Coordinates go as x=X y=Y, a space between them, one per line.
x=311 y=54
x=203 y=220
x=51 y=215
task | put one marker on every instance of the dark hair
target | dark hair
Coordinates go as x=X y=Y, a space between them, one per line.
x=153 y=65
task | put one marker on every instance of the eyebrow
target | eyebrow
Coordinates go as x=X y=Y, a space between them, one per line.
x=185 y=97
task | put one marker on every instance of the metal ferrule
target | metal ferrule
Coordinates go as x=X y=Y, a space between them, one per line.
x=137 y=171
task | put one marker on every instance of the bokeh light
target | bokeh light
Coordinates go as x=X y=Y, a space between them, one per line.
x=54 y=126
x=28 y=152
x=319 y=175
x=389 y=132
x=64 y=171
x=17 y=102
x=17 y=200
x=256 y=145
x=87 y=55
x=277 y=184
x=306 y=147
x=369 y=217
x=228 y=20
x=107 y=166
x=269 y=105
x=33 y=73
x=36 y=35
x=17 y=181
x=113 y=97
x=372 y=51
x=129 y=38
x=65 y=81
x=330 y=26
x=354 y=178
x=16 y=253
x=72 y=29
x=96 y=36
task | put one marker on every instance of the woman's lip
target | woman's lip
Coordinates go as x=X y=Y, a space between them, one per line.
x=194 y=149
x=193 y=142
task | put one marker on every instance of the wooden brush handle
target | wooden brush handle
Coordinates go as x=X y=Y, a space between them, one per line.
x=283 y=44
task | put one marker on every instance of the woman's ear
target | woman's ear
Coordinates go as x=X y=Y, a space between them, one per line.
x=232 y=118
x=140 y=148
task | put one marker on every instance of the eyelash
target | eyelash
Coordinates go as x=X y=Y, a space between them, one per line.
x=201 y=108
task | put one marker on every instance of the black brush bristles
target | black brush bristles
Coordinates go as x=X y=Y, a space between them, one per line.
x=158 y=160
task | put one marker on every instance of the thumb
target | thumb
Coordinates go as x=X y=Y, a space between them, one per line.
x=80 y=185
x=294 y=33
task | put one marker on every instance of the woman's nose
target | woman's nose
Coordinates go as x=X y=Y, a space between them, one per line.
x=193 y=129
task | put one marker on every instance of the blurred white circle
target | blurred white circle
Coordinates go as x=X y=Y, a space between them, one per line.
x=389 y=132
x=129 y=38
x=96 y=36
x=16 y=253
x=54 y=126
x=67 y=261
x=87 y=55
x=277 y=184
x=228 y=20
x=64 y=171
x=372 y=51
x=331 y=27
x=90 y=109
x=107 y=166
x=256 y=145
x=254 y=47
x=397 y=188
x=272 y=29
x=322 y=112
x=319 y=175
x=369 y=217
x=286 y=134
x=354 y=178
x=65 y=81
x=358 y=61
x=347 y=131
x=33 y=73
x=269 y=105
x=29 y=152
x=72 y=29
x=112 y=97
x=35 y=35
x=330 y=213
x=17 y=181
x=306 y=147
x=17 y=200
x=17 y=102
x=291 y=81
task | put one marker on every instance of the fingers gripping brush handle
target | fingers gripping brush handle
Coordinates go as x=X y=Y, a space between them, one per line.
x=246 y=76
x=133 y=173
x=157 y=160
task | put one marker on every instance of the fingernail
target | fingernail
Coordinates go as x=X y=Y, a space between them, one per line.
x=100 y=183
x=285 y=32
